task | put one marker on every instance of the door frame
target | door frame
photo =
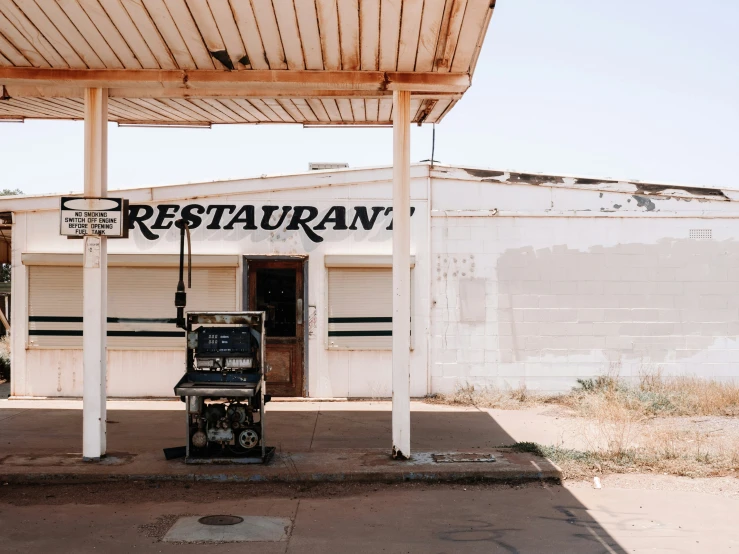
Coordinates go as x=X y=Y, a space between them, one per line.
x=245 y=297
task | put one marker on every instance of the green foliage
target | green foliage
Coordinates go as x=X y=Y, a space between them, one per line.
x=601 y=383
x=556 y=454
x=10 y=192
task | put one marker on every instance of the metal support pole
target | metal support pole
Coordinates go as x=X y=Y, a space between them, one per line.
x=401 y=274
x=95 y=282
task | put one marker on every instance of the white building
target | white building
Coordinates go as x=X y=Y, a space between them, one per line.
x=517 y=279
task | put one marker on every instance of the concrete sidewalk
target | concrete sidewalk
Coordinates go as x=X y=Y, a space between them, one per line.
x=40 y=440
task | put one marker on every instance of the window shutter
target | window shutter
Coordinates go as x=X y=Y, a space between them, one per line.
x=141 y=312
x=55 y=306
x=360 y=308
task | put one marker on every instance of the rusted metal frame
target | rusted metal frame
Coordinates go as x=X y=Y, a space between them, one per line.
x=443 y=33
x=483 y=32
x=456 y=20
x=21 y=91
x=197 y=79
x=167 y=123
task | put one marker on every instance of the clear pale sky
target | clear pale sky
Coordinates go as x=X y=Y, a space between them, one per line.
x=636 y=89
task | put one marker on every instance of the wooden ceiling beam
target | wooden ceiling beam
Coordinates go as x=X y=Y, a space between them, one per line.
x=54 y=91
x=299 y=84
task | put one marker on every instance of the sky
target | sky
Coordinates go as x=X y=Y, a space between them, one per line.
x=636 y=89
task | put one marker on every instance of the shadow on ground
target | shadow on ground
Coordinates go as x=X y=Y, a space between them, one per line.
x=543 y=518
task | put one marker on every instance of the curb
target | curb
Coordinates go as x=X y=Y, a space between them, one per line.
x=371 y=477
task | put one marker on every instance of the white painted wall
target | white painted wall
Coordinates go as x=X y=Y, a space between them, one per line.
x=153 y=373
x=578 y=283
x=518 y=280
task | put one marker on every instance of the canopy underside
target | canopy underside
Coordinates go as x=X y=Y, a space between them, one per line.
x=219 y=61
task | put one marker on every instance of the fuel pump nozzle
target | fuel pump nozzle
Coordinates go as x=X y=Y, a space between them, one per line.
x=180 y=297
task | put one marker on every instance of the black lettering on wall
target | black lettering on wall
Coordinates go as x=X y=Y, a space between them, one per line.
x=166 y=212
x=335 y=215
x=218 y=210
x=268 y=211
x=246 y=216
x=389 y=210
x=360 y=213
x=301 y=216
x=139 y=214
x=193 y=220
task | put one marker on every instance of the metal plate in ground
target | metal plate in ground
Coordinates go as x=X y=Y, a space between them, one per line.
x=251 y=529
x=220 y=520
x=462 y=457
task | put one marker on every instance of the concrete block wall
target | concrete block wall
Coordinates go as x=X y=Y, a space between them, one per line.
x=571 y=297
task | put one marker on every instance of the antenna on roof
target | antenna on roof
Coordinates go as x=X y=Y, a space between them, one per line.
x=433 y=145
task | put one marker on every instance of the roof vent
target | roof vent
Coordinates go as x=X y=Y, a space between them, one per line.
x=317 y=166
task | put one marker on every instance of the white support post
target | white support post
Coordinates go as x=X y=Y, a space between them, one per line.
x=95 y=282
x=401 y=274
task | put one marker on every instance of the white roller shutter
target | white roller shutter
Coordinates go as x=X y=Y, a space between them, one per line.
x=55 y=307
x=360 y=308
x=141 y=312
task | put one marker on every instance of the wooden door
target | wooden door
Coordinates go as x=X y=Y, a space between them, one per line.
x=276 y=287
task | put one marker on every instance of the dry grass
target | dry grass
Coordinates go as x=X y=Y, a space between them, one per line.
x=651 y=395
x=639 y=426
x=488 y=397
x=670 y=457
x=656 y=395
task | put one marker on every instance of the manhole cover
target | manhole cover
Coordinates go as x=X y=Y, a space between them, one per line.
x=220 y=520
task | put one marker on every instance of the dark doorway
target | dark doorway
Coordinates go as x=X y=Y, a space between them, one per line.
x=276 y=287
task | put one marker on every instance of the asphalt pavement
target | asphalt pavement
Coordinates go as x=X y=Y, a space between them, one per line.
x=371 y=518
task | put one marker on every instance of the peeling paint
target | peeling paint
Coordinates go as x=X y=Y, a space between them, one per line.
x=223 y=57
x=643 y=202
x=609 y=185
x=696 y=191
x=483 y=173
x=531 y=179
x=582 y=181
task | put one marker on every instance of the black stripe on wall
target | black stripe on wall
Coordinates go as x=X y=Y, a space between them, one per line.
x=54 y=319
x=76 y=333
x=65 y=319
x=360 y=319
x=360 y=333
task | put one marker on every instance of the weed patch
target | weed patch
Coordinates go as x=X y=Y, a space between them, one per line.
x=579 y=464
x=488 y=397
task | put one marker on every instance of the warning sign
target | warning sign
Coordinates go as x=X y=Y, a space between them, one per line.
x=93 y=216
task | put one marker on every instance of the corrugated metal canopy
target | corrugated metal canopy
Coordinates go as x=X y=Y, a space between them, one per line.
x=238 y=61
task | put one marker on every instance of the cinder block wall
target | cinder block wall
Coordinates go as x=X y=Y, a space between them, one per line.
x=544 y=300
